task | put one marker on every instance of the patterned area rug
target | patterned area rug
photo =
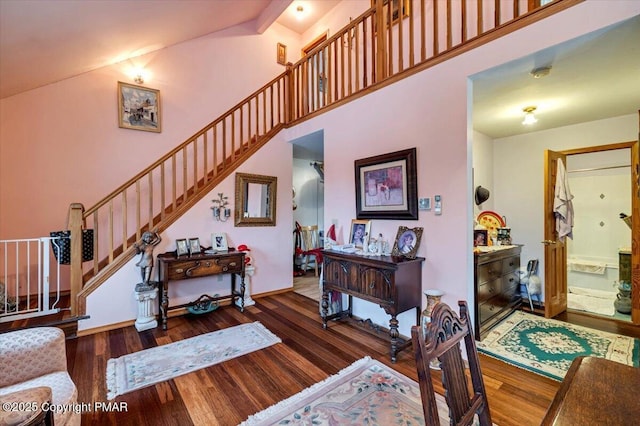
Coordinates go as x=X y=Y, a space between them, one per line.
x=150 y=366
x=366 y=392
x=548 y=347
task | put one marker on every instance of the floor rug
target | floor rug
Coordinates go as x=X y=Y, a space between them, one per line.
x=547 y=346
x=366 y=392
x=150 y=366
x=591 y=300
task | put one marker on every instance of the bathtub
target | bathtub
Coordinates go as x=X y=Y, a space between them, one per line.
x=593 y=273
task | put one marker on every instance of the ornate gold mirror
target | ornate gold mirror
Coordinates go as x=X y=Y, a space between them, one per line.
x=255 y=200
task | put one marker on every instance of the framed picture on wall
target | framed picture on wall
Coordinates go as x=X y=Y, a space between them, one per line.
x=387 y=187
x=138 y=108
x=281 y=54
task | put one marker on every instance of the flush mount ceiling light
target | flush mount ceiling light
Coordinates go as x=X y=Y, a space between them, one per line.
x=529 y=117
x=299 y=12
x=540 y=72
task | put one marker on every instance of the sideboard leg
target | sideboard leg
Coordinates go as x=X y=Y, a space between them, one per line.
x=394 y=333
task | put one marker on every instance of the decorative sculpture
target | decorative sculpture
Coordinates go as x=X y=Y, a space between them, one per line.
x=145 y=248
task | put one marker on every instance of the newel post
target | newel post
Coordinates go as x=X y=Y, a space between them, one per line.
x=76 y=220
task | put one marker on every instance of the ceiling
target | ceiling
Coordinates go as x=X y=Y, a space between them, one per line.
x=593 y=77
x=42 y=42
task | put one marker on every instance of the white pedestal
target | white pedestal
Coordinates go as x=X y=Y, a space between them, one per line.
x=248 y=273
x=146 y=319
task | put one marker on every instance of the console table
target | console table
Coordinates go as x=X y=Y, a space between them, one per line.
x=394 y=283
x=200 y=265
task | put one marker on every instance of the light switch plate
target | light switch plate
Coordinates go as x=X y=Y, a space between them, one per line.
x=424 y=203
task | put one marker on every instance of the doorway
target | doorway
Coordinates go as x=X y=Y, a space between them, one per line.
x=308 y=192
x=599 y=257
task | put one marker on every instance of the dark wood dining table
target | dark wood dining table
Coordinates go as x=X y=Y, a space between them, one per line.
x=596 y=391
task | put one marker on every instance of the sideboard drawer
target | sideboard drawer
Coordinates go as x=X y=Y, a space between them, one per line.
x=488 y=290
x=191 y=268
x=489 y=271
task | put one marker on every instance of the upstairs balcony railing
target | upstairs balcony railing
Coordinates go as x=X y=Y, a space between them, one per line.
x=391 y=40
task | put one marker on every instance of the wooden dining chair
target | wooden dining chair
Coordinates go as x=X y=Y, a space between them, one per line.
x=440 y=339
x=311 y=249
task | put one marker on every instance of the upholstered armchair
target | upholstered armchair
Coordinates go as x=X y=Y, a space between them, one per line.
x=33 y=368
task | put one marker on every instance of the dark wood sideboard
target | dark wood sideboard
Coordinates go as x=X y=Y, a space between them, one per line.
x=174 y=268
x=497 y=287
x=394 y=283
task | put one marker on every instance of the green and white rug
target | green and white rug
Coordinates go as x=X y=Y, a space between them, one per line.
x=150 y=366
x=547 y=346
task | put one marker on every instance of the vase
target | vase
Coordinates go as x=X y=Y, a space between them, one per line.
x=623 y=298
x=433 y=298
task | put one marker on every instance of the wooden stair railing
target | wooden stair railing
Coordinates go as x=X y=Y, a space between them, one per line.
x=375 y=49
x=160 y=194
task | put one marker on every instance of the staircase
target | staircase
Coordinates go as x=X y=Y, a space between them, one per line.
x=374 y=50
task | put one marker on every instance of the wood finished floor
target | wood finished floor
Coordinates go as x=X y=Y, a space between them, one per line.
x=227 y=393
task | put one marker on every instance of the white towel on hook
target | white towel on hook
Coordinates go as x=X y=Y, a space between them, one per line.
x=562 y=204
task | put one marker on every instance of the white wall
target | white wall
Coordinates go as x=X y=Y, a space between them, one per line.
x=309 y=195
x=482 y=169
x=429 y=111
x=113 y=302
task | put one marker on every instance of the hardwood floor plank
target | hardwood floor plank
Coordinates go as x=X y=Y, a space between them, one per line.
x=229 y=392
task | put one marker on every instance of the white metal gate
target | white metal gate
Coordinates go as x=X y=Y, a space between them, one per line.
x=29 y=279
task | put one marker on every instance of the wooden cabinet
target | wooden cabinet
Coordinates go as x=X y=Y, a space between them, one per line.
x=394 y=283
x=200 y=265
x=497 y=287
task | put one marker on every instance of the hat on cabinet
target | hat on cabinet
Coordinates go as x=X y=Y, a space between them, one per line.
x=482 y=195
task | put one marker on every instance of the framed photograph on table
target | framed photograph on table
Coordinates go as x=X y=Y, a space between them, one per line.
x=407 y=242
x=194 y=246
x=480 y=237
x=138 y=108
x=387 y=186
x=360 y=232
x=219 y=241
x=182 y=247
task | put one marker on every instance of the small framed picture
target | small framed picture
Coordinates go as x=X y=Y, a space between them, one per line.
x=480 y=237
x=194 y=246
x=360 y=232
x=407 y=242
x=138 y=108
x=219 y=241
x=281 y=54
x=182 y=248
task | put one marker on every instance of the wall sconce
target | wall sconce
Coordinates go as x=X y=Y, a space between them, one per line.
x=138 y=75
x=220 y=211
x=529 y=117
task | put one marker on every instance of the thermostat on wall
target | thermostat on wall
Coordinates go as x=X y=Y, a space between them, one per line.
x=424 y=203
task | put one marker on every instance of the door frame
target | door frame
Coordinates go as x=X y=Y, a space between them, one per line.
x=634 y=147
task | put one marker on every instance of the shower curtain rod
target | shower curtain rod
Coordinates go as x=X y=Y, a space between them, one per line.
x=598 y=168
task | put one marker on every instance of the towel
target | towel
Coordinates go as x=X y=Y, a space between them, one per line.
x=588 y=267
x=562 y=204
